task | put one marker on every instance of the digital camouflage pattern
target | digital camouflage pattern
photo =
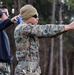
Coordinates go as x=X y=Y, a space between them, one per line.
x=4 y=69
x=27 y=43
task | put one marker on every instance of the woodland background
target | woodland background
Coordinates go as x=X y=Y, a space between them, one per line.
x=56 y=53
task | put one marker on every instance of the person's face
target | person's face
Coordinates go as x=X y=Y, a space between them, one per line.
x=34 y=19
x=5 y=13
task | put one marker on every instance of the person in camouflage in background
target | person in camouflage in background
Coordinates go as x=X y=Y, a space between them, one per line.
x=26 y=37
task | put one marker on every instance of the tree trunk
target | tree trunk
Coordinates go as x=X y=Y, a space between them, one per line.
x=18 y=6
x=57 y=70
x=52 y=41
x=61 y=56
x=30 y=1
x=67 y=66
x=60 y=39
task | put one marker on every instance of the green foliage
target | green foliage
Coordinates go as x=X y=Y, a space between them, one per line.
x=70 y=3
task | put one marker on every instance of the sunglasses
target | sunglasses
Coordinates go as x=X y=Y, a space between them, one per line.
x=35 y=16
x=7 y=14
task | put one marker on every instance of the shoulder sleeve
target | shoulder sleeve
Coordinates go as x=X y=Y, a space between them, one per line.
x=4 y=24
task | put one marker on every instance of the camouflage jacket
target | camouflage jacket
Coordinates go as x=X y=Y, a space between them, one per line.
x=27 y=42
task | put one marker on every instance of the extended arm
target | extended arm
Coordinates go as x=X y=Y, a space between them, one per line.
x=42 y=30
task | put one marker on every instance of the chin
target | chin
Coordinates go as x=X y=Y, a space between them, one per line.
x=35 y=24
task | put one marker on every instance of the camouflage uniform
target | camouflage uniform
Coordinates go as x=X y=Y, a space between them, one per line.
x=4 y=69
x=27 y=43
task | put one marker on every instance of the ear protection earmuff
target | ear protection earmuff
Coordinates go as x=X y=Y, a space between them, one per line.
x=1 y=13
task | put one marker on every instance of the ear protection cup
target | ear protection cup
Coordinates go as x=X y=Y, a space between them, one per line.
x=1 y=13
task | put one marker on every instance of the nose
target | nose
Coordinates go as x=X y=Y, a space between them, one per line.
x=37 y=18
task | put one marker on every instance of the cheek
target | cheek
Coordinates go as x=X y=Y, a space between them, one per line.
x=33 y=20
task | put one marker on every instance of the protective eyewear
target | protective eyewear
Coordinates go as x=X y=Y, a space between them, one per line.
x=6 y=13
x=35 y=16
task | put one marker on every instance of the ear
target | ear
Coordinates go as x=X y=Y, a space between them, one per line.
x=1 y=13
